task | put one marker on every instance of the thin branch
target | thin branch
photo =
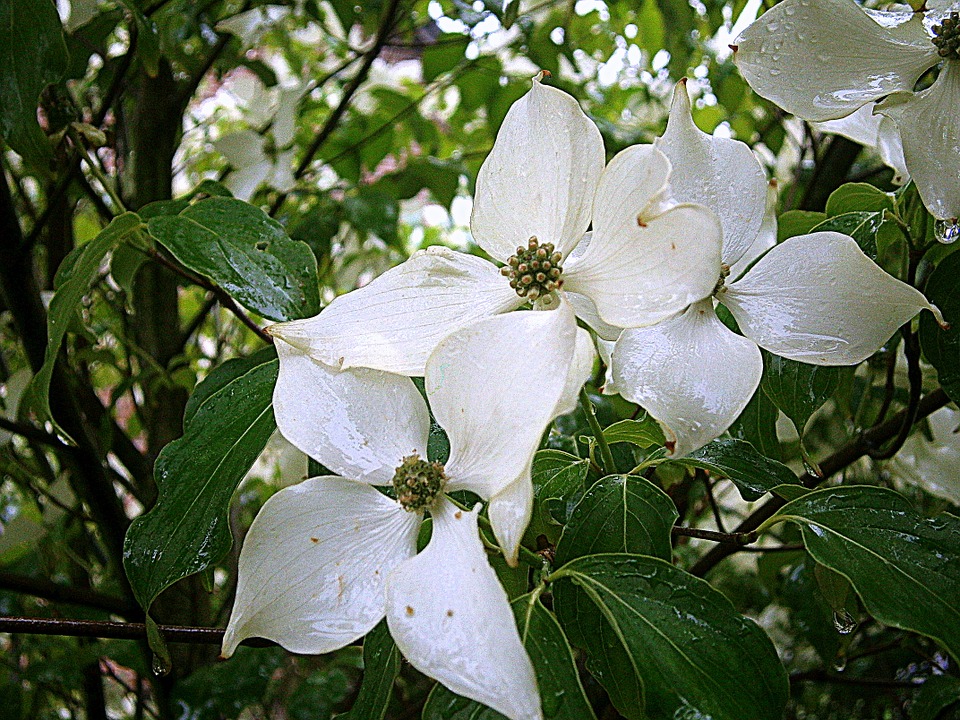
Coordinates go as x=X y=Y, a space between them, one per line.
x=222 y=297
x=825 y=677
x=119 y=631
x=383 y=32
x=724 y=538
x=48 y=590
x=33 y=433
x=845 y=456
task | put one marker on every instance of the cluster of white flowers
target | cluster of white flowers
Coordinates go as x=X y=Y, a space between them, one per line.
x=327 y=559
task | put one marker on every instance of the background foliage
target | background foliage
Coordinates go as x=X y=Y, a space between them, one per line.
x=176 y=173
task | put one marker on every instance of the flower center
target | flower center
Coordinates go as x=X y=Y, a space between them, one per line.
x=724 y=274
x=946 y=36
x=418 y=483
x=535 y=270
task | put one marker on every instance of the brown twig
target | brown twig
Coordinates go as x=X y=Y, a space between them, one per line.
x=847 y=455
x=383 y=32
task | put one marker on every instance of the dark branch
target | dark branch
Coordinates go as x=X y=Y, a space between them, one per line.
x=845 y=456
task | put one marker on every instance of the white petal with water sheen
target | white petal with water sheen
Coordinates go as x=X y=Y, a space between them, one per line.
x=691 y=373
x=396 y=321
x=818 y=299
x=358 y=423
x=822 y=59
x=540 y=177
x=872 y=131
x=647 y=258
x=929 y=127
x=314 y=563
x=451 y=619
x=494 y=387
x=584 y=309
x=721 y=173
x=510 y=511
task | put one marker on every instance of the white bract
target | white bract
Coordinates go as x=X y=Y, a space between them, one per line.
x=537 y=193
x=824 y=59
x=874 y=131
x=934 y=464
x=263 y=157
x=814 y=298
x=324 y=561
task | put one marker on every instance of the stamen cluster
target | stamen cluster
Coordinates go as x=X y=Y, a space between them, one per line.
x=724 y=274
x=946 y=36
x=418 y=482
x=535 y=270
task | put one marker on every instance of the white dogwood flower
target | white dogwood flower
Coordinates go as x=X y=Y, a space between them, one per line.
x=824 y=59
x=814 y=298
x=537 y=192
x=325 y=560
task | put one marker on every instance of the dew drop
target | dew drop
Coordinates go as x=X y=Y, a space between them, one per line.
x=160 y=666
x=840 y=661
x=844 y=622
x=948 y=231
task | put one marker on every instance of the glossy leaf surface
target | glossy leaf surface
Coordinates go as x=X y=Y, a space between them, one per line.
x=687 y=652
x=245 y=252
x=188 y=528
x=901 y=564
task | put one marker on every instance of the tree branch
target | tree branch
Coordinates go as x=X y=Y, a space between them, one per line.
x=847 y=455
x=383 y=32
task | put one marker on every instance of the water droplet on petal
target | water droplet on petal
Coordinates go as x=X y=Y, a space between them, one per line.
x=947 y=231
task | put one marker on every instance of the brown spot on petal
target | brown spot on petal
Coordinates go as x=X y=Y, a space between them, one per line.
x=671 y=445
x=458 y=514
x=640 y=222
x=314 y=540
x=734 y=47
x=449 y=613
x=409 y=611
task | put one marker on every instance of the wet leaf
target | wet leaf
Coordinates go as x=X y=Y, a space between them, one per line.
x=619 y=513
x=381 y=663
x=558 y=480
x=797 y=389
x=942 y=347
x=72 y=284
x=32 y=24
x=188 y=528
x=681 y=649
x=754 y=474
x=247 y=253
x=902 y=565
x=643 y=433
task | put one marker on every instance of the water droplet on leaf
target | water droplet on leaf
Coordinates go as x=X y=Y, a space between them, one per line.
x=947 y=231
x=844 y=622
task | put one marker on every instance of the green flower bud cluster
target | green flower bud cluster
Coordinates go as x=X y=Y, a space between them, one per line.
x=418 y=483
x=946 y=36
x=724 y=274
x=535 y=270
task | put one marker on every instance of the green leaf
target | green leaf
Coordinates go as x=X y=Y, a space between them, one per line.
x=757 y=425
x=858 y=197
x=936 y=695
x=619 y=513
x=754 y=474
x=942 y=347
x=902 y=565
x=797 y=388
x=188 y=528
x=381 y=663
x=561 y=693
x=443 y=55
x=245 y=252
x=558 y=480
x=861 y=226
x=644 y=433
x=797 y=222
x=683 y=649
x=33 y=54
x=374 y=212
x=72 y=286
